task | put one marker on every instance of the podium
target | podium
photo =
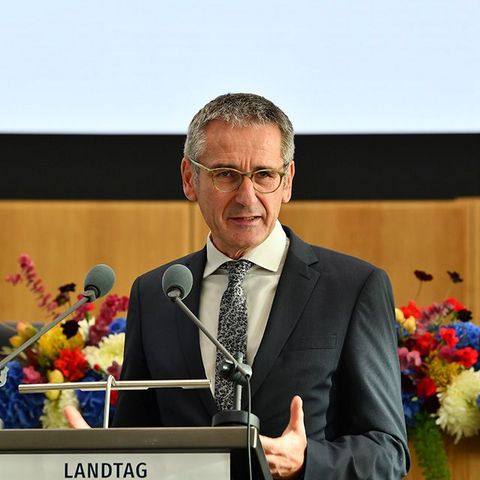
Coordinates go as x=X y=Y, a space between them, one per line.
x=200 y=453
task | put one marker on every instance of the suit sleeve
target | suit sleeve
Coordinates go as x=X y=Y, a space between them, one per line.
x=135 y=408
x=372 y=444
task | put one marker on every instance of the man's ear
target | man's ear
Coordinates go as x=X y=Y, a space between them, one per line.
x=287 y=187
x=188 y=180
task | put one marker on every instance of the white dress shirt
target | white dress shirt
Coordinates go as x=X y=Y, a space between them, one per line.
x=259 y=286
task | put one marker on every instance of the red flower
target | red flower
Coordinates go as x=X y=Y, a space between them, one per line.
x=115 y=369
x=425 y=343
x=113 y=397
x=426 y=387
x=449 y=336
x=467 y=356
x=448 y=353
x=71 y=363
x=455 y=304
x=411 y=310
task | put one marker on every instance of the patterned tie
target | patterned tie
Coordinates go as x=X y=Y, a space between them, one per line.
x=232 y=328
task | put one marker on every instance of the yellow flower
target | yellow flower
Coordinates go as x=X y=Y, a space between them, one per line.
x=26 y=330
x=442 y=372
x=54 y=376
x=16 y=341
x=55 y=340
x=400 y=317
x=409 y=324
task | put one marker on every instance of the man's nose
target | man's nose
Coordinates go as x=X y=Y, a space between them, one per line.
x=246 y=194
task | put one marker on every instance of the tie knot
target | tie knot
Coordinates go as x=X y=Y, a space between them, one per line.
x=237 y=269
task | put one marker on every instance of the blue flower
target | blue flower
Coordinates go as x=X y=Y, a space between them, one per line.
x=469 y=336
x=411 y=406
x=118 y=325
x=19 y=410
x=478 y=401
x=92 y=402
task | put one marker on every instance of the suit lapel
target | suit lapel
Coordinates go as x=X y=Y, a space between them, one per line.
x=188 y=333
x=294 y=289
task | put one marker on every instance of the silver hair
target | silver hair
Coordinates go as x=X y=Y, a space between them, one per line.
x=239 y=110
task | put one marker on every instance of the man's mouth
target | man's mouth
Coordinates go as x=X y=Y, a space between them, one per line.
x=248 y=219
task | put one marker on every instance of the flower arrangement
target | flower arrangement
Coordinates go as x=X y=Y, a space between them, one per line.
x=82 y=348
x=439 y=360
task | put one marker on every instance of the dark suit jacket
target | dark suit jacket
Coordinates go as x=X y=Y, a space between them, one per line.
x=330 y=338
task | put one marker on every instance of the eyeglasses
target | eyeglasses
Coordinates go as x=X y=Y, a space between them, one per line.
x=265 y=180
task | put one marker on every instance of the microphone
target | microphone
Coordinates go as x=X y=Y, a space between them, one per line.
x=98 y=282
x=177 y=282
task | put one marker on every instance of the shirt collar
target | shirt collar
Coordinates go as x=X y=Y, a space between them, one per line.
x=267 y=255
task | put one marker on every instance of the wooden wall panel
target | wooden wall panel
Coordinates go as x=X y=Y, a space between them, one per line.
x=472 y=254
x=397 y=236
x=65 y=239
x=463 y=458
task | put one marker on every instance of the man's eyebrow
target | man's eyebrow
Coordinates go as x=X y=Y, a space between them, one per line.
x=228 y=165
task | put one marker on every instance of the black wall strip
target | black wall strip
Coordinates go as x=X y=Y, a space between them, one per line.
x=334 y=167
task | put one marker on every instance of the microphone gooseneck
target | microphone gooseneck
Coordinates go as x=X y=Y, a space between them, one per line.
x=177 y=282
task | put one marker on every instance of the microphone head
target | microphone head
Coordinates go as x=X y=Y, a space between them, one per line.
x=99 y=280
x=177 y=281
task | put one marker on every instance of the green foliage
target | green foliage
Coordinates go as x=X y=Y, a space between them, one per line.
x=430 y=449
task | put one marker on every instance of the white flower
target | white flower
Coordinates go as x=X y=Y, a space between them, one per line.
x=84 y=327
x=52 y=416
x=459 y=414
x=110 y=349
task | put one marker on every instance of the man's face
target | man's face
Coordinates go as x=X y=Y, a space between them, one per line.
x=239 y=220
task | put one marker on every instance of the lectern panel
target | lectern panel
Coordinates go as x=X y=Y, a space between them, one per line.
x=113 y=466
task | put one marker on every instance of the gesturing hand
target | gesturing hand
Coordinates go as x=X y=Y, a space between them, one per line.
x=74 y=417
x=286 y=454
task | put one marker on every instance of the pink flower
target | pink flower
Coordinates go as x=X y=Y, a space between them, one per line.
x=30 y=375
x=14 y=279
x=408 y=359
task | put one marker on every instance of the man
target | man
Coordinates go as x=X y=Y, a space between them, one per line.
x=320 y=334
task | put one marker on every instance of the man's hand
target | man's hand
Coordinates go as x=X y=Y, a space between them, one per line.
x=286 y=454
x=74 y=418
